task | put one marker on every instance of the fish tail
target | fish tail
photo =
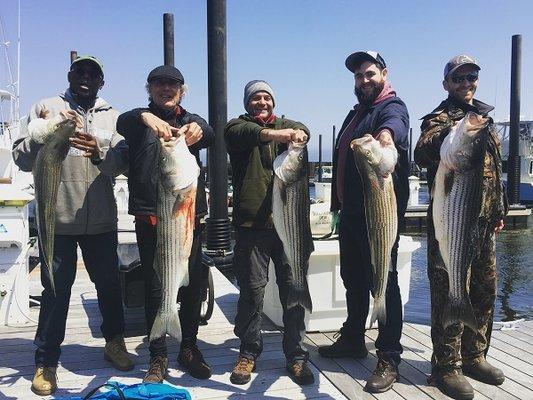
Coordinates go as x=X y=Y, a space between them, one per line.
x=379 y=311
x=300 y=296
x=166 y=324
x=458 y=310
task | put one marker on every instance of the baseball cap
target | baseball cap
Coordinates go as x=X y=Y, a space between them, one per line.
x=458 y=61
x=91 y=59
x=166 y=72
x=357 y=58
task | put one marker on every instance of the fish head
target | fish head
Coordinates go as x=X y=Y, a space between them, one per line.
x=177 y=166
x=472 y=143
x=291 y=165
x=65 y=129
x=367 y=151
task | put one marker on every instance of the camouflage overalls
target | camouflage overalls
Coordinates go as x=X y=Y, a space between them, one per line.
x=458 y=343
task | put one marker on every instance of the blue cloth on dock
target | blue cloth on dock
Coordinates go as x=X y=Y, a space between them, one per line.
x=138 y=391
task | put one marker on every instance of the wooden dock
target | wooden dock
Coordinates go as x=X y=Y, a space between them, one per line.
x=83 y=367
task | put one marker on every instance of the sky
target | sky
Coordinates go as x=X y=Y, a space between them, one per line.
x=298 y=46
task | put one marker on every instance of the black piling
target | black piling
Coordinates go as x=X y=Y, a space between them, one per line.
x=168 y=38
x=410 y=146
x=333 y=140
x=73 y=55
x=513 y=166
x=319 y=158
x=218 y=241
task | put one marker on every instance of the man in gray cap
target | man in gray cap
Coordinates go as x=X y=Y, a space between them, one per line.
x=458 y=349
x=86 y=215
x=382 y=114
x=253 y=141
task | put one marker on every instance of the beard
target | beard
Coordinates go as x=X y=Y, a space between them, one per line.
x=368 y=99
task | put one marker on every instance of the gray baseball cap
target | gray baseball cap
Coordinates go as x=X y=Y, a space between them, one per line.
x=457 y=62
x=90 y=59
x=356 y=59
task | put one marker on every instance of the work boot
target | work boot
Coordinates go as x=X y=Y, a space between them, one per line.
x=300 y=372
x=157 y=370
x=242 y=372
x=192 y=360
x=383 y=377
x=344 y=347
x=44 y=381
x=454 y=385
x=484 y=372
x=115 y=352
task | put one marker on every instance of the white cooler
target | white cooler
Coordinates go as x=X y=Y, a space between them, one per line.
x=326 y=287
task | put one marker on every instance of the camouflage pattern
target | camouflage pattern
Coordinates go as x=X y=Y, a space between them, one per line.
x=457 y=343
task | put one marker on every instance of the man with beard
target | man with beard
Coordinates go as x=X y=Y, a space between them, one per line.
x=459 y=350
x=143 y=128
x=86 y=215
x=380 y=113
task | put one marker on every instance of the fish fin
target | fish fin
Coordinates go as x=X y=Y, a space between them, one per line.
x=456 y=311
x=379 y=311
x=448 y=182
x=300 y=296
x=166 y=324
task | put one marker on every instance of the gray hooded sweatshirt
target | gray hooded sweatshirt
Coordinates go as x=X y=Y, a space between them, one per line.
x=85 y=203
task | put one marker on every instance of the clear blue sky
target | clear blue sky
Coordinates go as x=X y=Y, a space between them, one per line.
x=299 y=47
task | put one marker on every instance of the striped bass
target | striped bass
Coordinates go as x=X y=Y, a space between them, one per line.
x=46 y=177
x=290 y=212
x=374 y=163
x=176 y=195
x=457 y=199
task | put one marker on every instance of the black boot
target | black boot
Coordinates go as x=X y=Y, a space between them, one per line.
x=484 y=372
x=344 y=347
x=191 y=359
x=383 y=377
x=454 y=385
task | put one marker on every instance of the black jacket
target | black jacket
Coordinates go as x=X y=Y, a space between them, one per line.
x=144 y=156
x=392 y=114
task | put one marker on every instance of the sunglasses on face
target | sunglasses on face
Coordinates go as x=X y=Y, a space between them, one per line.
x=93 y=74
x=461 y=78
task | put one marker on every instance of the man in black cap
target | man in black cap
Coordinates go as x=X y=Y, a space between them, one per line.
x=86 y=215
x=383 y=115
x=142 y=128
x=458 y=349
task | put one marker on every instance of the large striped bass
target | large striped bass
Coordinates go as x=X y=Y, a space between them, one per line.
x=374 y=163
x=176 y=195
x=457 y=199
x=290 y=212
x=46 y=177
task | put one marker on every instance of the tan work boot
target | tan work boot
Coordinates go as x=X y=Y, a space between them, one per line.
x=157 y=370
x=242 y=373
x=44 y=381
x=115 y=352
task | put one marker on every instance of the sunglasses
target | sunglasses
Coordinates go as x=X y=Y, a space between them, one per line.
x=93 y=74
x=461 y=78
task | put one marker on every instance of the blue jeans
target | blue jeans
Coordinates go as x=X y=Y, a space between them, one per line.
x=253 y=250
x=101 y=261
x=355 y=273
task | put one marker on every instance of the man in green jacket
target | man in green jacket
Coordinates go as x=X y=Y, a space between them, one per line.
x=253 y=141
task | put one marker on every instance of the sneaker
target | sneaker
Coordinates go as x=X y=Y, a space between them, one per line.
x=343 y=347
x=192 y=360
x=44 y=381
x=242 y=372
x=453 y=384
x=115 y=352
x=484 y=372
x=383 y=377
x=157 y=370
x=300 y=372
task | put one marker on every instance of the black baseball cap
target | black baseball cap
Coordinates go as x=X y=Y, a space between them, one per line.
x=166 y=72
x=457 y=62
x=354 y=60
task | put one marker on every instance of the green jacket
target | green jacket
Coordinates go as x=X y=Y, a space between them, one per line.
x=252 y=174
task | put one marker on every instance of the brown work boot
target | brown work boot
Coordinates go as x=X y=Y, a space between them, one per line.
x=157 y=370
x=383 y=377
x=301 y=373
x=44 y=381
x=115 y=352
x=192 y=360
x=454 y=385
x=484 y=372
x=242 y=373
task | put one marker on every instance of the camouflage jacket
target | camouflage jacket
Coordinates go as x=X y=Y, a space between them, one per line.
x=436 y=125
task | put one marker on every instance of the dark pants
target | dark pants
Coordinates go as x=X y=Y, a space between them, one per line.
x=190 y=296
x=101 y=261
x=457 y=343
x=253 y=250
x=355 y=273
